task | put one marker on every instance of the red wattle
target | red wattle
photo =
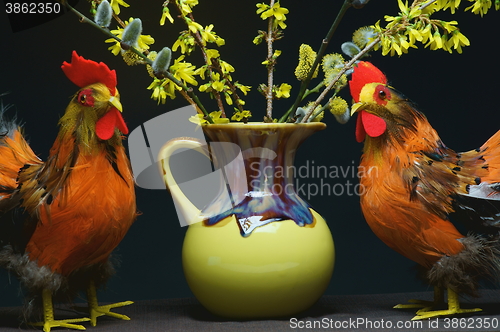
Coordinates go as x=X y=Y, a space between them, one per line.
x=373 y=125
x=360 y=130
x=370 y=124
x=106 y=125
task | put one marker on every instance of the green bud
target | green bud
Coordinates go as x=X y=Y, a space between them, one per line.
x=358 y=4
x=161 y=63
x=350 y=49
x=103 y=14
x=131 y=34
x=343 y=118
x=299 y=114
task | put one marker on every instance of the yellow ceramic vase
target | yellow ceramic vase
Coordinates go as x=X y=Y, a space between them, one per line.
x=262 y=252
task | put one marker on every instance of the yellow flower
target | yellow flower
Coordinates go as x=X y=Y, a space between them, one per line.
x=193 y=26
x=445 y=4
x=115 y=48
x=209 y=36
x=212 y=54
x=396 y=44
x=458 y=40
x=243 y=88
x=227 y=95
x=426 y=33
x=216 y=117
x=217 y=85
x=449 y=26
x=183 y=71
x=283 y=91
x=480 y=6
x=143 y=42
x=226 y=67
x=415 y=35
x=240 y=115
x=115 y=4
x=436 y=42
x=276 y=10
x=165 y=15
x=257 y=40
x=198 y=119
x=159 y=93
x=403 y=7
x=187 y=5
x=306 y=60
x=185 y=41
x=201 y=72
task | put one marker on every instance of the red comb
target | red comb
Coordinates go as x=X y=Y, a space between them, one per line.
x=363 y=74
x=84 y=72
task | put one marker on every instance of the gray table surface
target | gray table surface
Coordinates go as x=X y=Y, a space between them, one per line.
x=330 y=313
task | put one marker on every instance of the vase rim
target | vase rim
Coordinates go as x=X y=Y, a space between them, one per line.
x=265 y=125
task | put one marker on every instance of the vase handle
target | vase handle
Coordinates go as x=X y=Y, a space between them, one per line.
x=183 y=205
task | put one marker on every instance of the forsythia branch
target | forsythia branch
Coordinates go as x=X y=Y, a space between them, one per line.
x=146 y=60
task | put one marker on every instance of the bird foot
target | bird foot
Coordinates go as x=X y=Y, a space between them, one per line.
x=105 y=310
x=424 y=305
x=48 y=316
x=414 y=304
x=67 y=323
x=426 y=313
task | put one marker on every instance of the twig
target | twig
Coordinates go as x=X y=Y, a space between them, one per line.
x=347 y=66
x=270 y=65
x=148 y=61
x=319 y=56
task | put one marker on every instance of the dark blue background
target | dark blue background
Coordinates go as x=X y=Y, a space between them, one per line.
x=458 y=93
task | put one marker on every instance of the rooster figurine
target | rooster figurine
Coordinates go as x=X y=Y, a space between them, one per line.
x=61 y=219
x=414 y=186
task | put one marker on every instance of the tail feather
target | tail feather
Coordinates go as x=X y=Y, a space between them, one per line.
x=15 y=152
x=490 y=151
x=479 y=207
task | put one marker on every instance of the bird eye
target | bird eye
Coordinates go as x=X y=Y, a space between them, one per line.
x=85 y=98
x=382 y=94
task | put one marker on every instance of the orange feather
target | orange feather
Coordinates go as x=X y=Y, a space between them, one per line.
x=88 y=219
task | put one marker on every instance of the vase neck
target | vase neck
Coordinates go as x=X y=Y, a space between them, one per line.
x=257 y=163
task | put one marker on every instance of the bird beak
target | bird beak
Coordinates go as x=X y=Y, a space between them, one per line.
x=356 y=107
x=116 y=103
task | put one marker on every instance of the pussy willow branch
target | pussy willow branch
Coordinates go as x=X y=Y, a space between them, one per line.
x=83 y=19
x=319 y=57
x=270 y=65
x=347 y=66
x=427 y=4
x=116 y=17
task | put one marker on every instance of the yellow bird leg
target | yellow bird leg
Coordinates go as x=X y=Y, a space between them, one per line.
x=96 y=310
x=48 y=316
x=413 y=303
x=453 y=308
